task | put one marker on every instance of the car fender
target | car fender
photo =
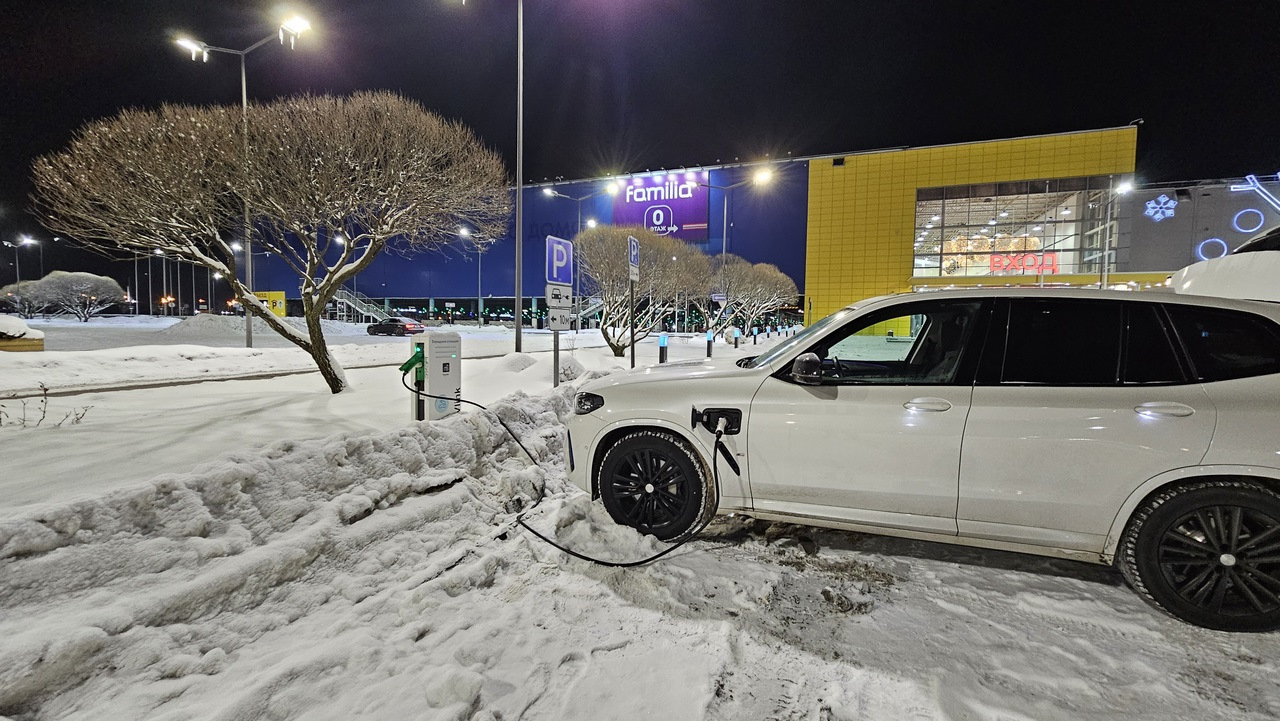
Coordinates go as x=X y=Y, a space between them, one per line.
x=1174 y=476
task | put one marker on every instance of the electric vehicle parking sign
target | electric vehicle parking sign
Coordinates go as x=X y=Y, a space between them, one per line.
x=559 y=261
x=633 y=258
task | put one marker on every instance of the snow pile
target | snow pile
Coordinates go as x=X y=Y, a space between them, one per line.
x=11 y=326
x=207 y=325
x=381 y=576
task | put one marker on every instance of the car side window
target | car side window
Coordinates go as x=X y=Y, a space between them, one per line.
x=1226 y=344
x=917 y=344
x=1149 y=355
x=1063 y=342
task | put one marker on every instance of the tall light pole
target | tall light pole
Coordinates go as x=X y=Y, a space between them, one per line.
x=761 y=177
x=293 y=27
x=1123 y=188
x=519 y=235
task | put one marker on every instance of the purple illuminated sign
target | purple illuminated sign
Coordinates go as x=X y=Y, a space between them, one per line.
x=667 y=204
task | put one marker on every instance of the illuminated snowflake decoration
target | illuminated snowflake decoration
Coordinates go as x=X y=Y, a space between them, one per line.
x=1160 y=208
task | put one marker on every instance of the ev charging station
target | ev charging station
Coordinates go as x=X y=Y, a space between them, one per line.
x=437 y=365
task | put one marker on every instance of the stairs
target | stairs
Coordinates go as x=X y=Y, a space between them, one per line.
x=357 y=308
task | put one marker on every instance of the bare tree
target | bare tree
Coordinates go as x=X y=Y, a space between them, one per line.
x=763 y=290
x=749 y=290
x=24 y=297
x=83 y=294
x=331 y=183
x=666 y=265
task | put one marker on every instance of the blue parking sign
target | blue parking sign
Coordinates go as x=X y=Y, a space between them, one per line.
x=559 y=260
x=633 y=257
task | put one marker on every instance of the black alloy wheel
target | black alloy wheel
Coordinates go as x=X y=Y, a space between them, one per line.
x=1210 y=554
x=653 y=482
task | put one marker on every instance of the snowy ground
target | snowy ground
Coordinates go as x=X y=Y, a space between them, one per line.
x=340 y=564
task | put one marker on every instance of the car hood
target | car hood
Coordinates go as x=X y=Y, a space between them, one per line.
x=669 y=372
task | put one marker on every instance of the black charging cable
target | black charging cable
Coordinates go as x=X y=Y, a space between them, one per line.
x=720 y=448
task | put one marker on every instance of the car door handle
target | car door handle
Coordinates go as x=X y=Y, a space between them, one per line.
x=1164 y=410
x=927 y=404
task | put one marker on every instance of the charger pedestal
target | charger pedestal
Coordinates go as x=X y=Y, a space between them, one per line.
x=439 y=374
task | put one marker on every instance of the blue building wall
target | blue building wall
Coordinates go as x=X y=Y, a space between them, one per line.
x=767 y=225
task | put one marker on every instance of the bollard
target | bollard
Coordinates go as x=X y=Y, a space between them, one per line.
x=662 y=348
x=736 y=334
x=711 y=338
x=755 y=336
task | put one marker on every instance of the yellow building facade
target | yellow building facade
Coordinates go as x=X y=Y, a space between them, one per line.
x=862 y=207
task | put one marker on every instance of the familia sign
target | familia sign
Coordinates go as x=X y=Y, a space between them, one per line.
x=672 y=204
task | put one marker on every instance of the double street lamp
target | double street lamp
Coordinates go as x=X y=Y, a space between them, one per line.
x=291 y=29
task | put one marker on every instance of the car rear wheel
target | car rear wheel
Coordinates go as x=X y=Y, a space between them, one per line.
x=655 y=483
x=1209 y=554
x=372 y=331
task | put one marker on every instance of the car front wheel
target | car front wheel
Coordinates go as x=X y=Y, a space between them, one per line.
x=655 y=483
x=1209 y=554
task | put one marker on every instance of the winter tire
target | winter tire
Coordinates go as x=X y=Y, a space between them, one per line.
x=655 y=483
x=1209 y=554
x=372 y=331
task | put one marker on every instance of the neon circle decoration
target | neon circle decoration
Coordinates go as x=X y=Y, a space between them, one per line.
x=1249 y=214
x=1210 y=243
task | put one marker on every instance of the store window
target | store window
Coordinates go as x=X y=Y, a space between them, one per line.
x=1025 y=228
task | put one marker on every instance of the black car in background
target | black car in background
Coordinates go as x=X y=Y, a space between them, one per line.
x=396 y=326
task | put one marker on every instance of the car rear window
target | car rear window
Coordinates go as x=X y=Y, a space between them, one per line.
x=1226 y=344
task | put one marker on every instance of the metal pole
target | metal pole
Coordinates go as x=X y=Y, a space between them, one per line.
x=631 y=319
x=555 y=359
x=1105 y=275
x=136 y=307
x=519 y=167
x=177 y=281
x=17 y=265
x=724 y=236
x=151 y=293
x=479 y=293
x=248 y=240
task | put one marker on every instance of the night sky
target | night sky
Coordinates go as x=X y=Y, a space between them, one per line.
x=626 y=85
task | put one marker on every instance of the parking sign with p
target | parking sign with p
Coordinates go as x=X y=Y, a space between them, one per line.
x=559 y=260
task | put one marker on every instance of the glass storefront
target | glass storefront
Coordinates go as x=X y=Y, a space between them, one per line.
x=1025 y=228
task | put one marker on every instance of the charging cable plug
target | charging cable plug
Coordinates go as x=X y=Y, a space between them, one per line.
x=722 y=425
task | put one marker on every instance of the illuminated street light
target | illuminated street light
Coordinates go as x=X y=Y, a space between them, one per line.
x=761 y=177
x=292 y=28
x=591 y=222
x=1124 y=188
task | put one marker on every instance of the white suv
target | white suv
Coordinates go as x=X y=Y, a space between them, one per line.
x=1138 y=429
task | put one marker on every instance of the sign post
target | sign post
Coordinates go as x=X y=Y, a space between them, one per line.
x=633 y=262
x=559 y=296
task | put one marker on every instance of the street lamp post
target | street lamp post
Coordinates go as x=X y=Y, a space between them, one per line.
x=519 y=234
x=760 y=178
x=1125 y=186
x=293 y=27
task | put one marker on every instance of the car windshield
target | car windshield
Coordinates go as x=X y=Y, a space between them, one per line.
x=799 y=339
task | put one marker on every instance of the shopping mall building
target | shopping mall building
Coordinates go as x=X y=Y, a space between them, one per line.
x=1054 y=210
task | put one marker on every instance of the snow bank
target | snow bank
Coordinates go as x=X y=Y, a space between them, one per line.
x=14 y=327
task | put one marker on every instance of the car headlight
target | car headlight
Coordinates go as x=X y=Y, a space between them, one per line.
x=585 y=403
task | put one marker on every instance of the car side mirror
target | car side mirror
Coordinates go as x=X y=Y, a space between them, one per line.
x=806 y=369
